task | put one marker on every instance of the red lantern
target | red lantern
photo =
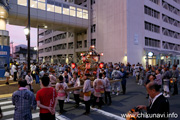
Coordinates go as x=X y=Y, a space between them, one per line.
x=73 y=65
x=88 y=65
x=102 y=54
x=82 y=54
x=101 y=65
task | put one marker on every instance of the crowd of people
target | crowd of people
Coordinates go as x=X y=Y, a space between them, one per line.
x=56 y=79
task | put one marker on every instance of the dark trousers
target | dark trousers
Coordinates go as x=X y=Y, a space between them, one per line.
x=175 y=88
x=123 y=84
x=15 y=76
x=87 y=106
x=61 y=105
x=47 y=116
x=100 y=101
x=107 y=95
x=76 y=98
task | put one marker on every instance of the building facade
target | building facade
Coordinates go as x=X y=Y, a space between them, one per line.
x=20 y=54
x=144 y=31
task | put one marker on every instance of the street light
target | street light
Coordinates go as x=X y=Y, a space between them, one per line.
x=26 y=31
x=35 y=48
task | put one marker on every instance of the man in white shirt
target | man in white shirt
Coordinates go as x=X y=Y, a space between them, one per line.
x=14 y=70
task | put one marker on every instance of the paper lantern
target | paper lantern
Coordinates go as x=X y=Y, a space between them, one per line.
x=73 y=65
x=102 y=54
x=101 y=65
x=82 y=54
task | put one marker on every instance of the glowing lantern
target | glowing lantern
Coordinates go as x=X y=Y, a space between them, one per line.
x=82 y=54
x=92 y=46
x=88 y=65
x=90 y=53
x=73 y=65
x=101 y=65
x=102 y=54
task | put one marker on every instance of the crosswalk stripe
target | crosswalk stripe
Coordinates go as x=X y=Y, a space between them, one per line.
x=4 y=103
x=7 y=107
x=8 y=113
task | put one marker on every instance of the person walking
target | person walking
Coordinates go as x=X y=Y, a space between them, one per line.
x=116 y=75
x=62 y=94
x=76 y=83
x=99 y=87
x=87 y=93
x=107 y=89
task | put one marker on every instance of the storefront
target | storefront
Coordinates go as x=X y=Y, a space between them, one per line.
x=160 y=57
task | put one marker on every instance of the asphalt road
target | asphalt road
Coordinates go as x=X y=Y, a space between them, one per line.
x=121 y=104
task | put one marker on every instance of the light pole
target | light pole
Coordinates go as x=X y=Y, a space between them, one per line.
x=27 y=33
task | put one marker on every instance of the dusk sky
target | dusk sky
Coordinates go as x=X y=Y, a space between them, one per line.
x=17 y=35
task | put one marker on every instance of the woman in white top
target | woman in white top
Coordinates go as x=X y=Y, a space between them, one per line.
x=29 y=80
x=53 y=79
x=76 y=83
x=62 y=94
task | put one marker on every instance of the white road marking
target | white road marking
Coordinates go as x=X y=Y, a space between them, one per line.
x=7 y=107
x=4 y=103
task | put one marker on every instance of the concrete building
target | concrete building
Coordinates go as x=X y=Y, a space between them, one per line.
x=144 y=31
x=20 y=54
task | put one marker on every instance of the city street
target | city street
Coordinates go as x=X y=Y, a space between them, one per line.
x=120 y=104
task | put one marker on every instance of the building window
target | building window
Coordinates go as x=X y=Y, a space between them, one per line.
x=170 y=33
x=70 y=45
x=170 y=20
x=79 y=13
x=22 y=2
x=58 y=8
x=93 y=42
x=72 y=11
x=65 y=9
x=170 y=8
x=50 y=5
x=47 y=32
x=49 y=40
x=79 y=44
x=85 y=43
x=152 y=42
x=93 y=28
x=151 y=12
x=155 y=1
x=60 y=36
x=152 y=27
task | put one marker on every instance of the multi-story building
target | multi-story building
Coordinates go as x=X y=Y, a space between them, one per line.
x=144 y=31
